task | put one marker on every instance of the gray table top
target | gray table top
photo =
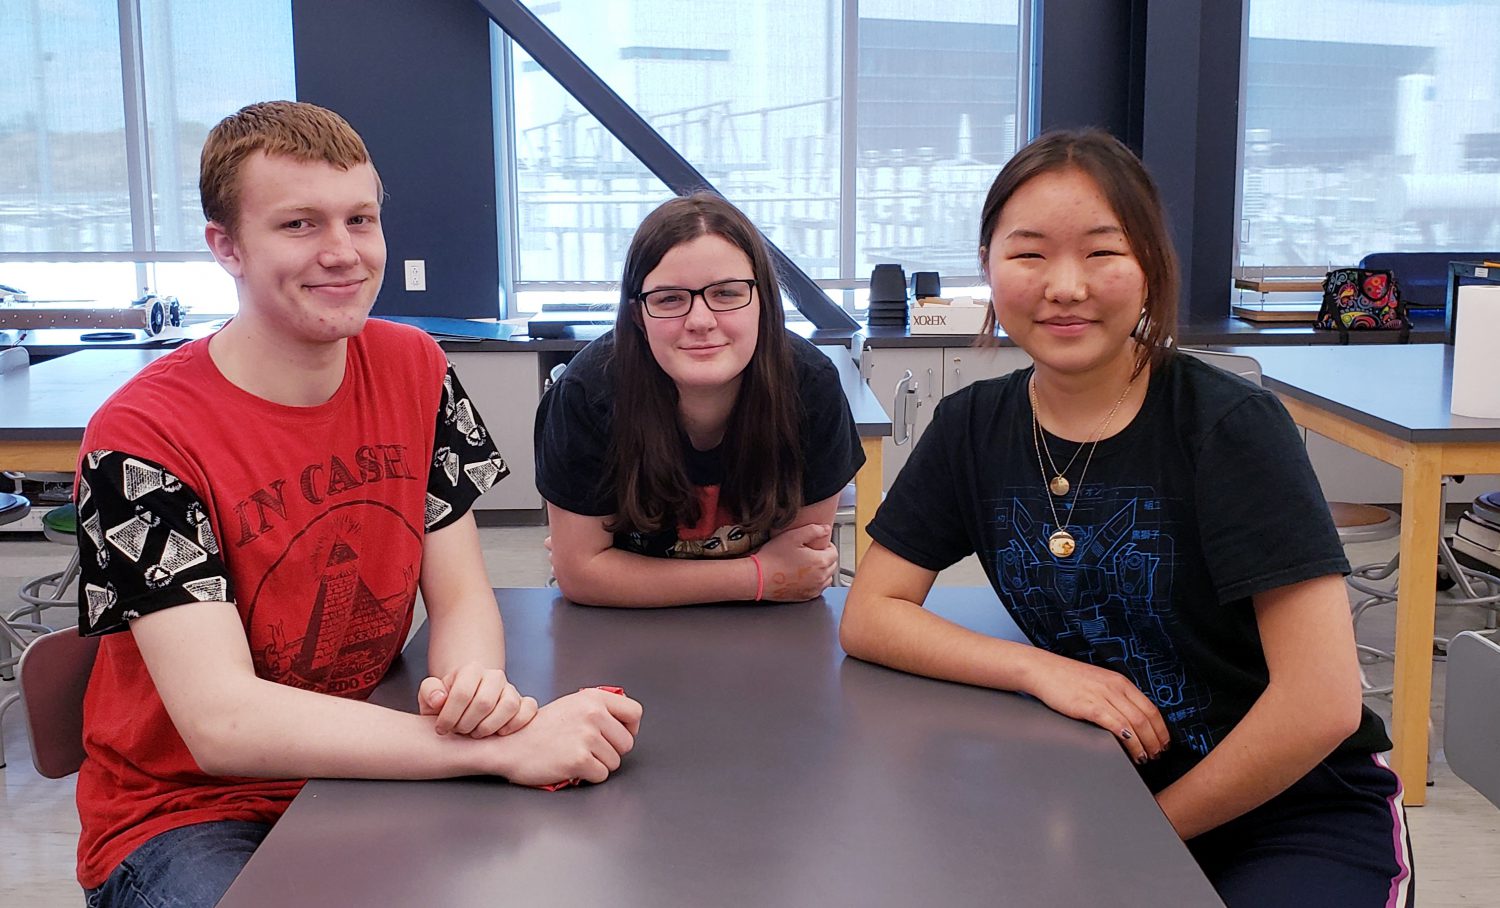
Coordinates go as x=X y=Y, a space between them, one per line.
x=770 y=770
x=1401 y=390
x=55 y=399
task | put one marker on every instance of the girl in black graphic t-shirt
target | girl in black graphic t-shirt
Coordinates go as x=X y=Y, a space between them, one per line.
x=695 y=453
x=1154 y=527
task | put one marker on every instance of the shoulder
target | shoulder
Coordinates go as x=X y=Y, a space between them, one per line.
x=816 y=375
x=986 y=396
x=145 y=411
x=1205 y=399
x=586 y=387
x=386 y=341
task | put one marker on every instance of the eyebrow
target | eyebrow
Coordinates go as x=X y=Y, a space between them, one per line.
x=368 y=205
x=1026 y=233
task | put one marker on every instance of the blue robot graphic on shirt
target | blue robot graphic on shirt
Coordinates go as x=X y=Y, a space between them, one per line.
x=1102 y=605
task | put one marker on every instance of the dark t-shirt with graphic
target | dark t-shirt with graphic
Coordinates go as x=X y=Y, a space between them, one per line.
x=574 y=425
x=309 y=520
x=1203 y=501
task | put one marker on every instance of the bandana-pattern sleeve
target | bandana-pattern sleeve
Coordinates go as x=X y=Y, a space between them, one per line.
x=465 y=463
x=145 y=543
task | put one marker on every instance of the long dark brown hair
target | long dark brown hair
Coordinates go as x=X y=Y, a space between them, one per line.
x=762 y=446
x=1133 y=197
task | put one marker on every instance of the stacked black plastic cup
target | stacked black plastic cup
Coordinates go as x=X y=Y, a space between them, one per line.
x=887 y=297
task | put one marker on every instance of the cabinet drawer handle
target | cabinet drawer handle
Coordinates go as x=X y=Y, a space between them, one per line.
x=903 y=409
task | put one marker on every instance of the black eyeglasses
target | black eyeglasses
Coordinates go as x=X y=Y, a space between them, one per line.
x=675 y=302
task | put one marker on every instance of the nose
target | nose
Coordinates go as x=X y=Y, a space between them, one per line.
x=1065 y=281
x=699 y=318
x=338 y=251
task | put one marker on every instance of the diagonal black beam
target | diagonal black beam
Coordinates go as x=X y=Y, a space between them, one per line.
x=644 y=142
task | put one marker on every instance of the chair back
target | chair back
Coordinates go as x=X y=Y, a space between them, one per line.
x=1471 y=722
x=54 y=673
x=1246 y=367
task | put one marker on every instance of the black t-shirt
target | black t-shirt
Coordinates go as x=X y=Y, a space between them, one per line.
x=573 y=435
x=1204 y=500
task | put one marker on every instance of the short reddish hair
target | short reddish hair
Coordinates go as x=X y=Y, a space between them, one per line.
x=295 y=129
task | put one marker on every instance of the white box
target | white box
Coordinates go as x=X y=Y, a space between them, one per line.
x=958 y=316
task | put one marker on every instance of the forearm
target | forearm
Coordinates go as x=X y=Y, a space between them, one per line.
x=615 y=577
x=1280 y=740
x=902 y=635
x=271 y=730
x=464 y=633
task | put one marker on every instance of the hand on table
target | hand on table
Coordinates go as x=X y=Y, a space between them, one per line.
x=582 y=736
x=1107 y=699
x=798 y=564
x=475 y=701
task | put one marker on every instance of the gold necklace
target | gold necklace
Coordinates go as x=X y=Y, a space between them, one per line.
x=1061 y=543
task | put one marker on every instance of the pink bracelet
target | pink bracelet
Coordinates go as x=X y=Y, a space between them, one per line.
x=760 y=578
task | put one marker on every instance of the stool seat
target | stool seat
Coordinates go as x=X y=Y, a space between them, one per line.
x=60 y=525
x=13 y=507
x=63 y=519
x=1358 y=523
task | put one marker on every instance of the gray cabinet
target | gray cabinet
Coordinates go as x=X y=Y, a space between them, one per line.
x=909 y=381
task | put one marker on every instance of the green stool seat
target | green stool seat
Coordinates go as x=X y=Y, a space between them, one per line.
x=63 y=520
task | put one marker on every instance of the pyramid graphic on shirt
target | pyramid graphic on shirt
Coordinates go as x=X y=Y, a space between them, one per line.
x=346 y=617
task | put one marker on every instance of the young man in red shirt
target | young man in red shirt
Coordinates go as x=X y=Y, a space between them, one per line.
x=258 y=511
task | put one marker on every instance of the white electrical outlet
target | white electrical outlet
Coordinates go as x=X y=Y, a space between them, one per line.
x=416 y=274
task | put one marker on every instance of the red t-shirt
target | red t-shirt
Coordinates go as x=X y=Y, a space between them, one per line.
x=309 y=519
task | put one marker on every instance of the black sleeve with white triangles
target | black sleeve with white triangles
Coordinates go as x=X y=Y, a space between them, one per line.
x=465 y=463
x=144 y=543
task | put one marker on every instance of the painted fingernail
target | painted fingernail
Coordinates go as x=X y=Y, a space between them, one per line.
x=1140 y=760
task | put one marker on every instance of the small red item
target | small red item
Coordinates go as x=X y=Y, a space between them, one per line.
x=556 y=786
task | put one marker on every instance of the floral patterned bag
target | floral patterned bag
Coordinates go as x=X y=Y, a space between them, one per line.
x=1358 y=299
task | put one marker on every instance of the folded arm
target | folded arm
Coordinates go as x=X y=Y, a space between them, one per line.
x=884 y=622
x=795 y=565
x=1310 y=706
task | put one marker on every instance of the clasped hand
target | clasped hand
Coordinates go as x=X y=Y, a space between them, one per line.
x=798 y=563
x=475 y=701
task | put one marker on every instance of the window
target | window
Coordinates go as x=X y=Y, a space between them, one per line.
x=101 y=122
x=845 y=149
x=1369 y=127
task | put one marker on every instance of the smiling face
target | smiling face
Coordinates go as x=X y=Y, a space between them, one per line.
x=308 y=254
x=703 y=350
x=1066 y=284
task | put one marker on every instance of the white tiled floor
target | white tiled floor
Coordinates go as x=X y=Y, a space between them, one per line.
x=1456 y=837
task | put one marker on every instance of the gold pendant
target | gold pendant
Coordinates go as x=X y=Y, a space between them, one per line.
x=1059 y=485
x=1062 y=543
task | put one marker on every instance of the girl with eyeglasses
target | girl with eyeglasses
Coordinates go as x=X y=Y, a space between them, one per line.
x=1152 y=524
x=696 y=452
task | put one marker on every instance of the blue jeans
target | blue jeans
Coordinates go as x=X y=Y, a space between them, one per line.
x=186 y=867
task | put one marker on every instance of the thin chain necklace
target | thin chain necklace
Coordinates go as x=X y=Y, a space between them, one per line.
x=1061 y=543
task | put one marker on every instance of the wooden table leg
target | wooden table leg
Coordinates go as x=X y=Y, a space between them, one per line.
x=867 y=490
x=1416 y=603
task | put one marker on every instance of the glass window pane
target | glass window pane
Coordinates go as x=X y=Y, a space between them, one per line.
x=204 y=59
x=747 y=92
x=579 y=192
x=63 y=185
x=936 y=119
x=1369 y=128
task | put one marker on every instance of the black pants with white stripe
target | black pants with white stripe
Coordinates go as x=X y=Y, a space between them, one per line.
x=1336 y=837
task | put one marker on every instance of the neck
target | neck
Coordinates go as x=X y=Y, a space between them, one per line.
x=704 y=412
x=1073 y=405
x=276 y=369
